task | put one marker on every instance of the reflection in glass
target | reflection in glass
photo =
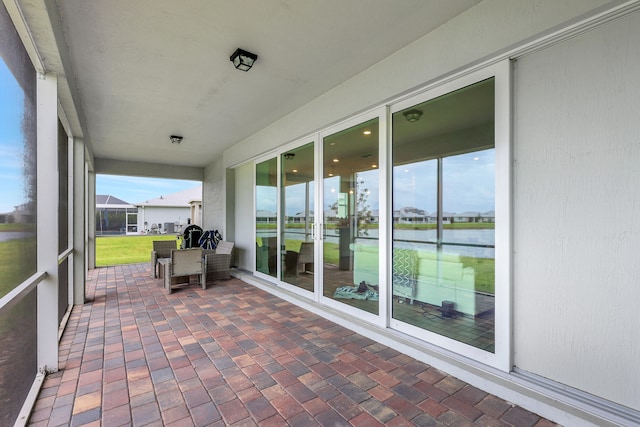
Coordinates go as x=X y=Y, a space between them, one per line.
x=297 y=189
x=267 y=217
x=443 y=216
x=350 y=258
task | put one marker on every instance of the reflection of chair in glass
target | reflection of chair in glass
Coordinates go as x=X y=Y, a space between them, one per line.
x=300 y=261
x=217 y=265
x=161 y=249
x=183 y=264
x=266 y=254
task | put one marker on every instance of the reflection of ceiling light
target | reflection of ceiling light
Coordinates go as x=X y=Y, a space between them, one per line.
x=333 y=143
x=330 y=174
x=374 y=166
x=350 y=191
x=333 y=190
x=335 y=160
x=406 y=170
x=367 y=132
x=412 y=115
x=295 y=171
x=476 y=158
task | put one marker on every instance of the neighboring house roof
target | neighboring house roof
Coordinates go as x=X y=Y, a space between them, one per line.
x=180 y=199
x=261 y=213
x=410 y=212
x=107 y=201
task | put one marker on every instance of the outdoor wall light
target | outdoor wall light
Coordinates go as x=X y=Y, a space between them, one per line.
x=243 y=60
x=175 y=139
x=412 y=115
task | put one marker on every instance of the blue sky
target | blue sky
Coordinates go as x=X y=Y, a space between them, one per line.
x=136 y=189
x=11 y=141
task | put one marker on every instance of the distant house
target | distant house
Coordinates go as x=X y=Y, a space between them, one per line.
x=21 y=214
x=115 y=216
x=410 y=215
x=266 y=217
x=170 y=213
x=482 y=217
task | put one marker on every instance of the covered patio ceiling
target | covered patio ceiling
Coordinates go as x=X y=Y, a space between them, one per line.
x=136 y=72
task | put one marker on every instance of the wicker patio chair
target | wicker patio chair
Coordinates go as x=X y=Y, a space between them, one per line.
x=218 y=265
x=183 y=264
x=161 y=249
x=301 y=261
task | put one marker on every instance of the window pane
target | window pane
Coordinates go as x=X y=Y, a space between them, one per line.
x=18 y=365
x=351 y=213
x=63 y=190
x=443 y=208
x=267 y=217
x=18 y=162
x=298 y=216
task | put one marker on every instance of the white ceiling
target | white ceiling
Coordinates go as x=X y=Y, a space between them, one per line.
x=147 y=69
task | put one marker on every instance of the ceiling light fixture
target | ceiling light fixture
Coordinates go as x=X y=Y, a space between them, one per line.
x=243 y=60
x=175 y=139
x=412 y=115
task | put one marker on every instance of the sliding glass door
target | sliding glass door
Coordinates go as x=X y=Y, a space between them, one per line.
x=402 y=220
x=297 y=197
x=266 y=197
x=444 y=215
x=350 y=216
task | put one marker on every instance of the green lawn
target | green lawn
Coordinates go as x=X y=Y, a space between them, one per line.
x=114 y=250
x=17 y=262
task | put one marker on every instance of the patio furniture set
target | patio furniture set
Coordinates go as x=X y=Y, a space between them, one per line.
x=177 y=266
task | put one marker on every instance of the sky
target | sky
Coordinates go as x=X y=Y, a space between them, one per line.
x=137 y=189
x=12 y=192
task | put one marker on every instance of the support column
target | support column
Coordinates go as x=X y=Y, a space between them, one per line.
x=79 y=223
x=91 y=219
x=47 y=172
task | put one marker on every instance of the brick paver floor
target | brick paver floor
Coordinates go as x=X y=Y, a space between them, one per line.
x=236 y=355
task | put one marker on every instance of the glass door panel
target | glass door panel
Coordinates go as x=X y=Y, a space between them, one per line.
x=297 y=190
x=350 y=217
x=444 y=215
x=267 y=217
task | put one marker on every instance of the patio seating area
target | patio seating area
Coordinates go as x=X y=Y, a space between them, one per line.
x=235 y=355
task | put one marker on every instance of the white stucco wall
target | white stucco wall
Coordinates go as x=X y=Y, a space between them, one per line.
x=576 y=225
x=577 y=212
x=213 y=198
x=245 y=218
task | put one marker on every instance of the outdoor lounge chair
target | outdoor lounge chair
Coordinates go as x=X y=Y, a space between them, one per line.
x=161 y=249
x=218 y=265
x=183 y=264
